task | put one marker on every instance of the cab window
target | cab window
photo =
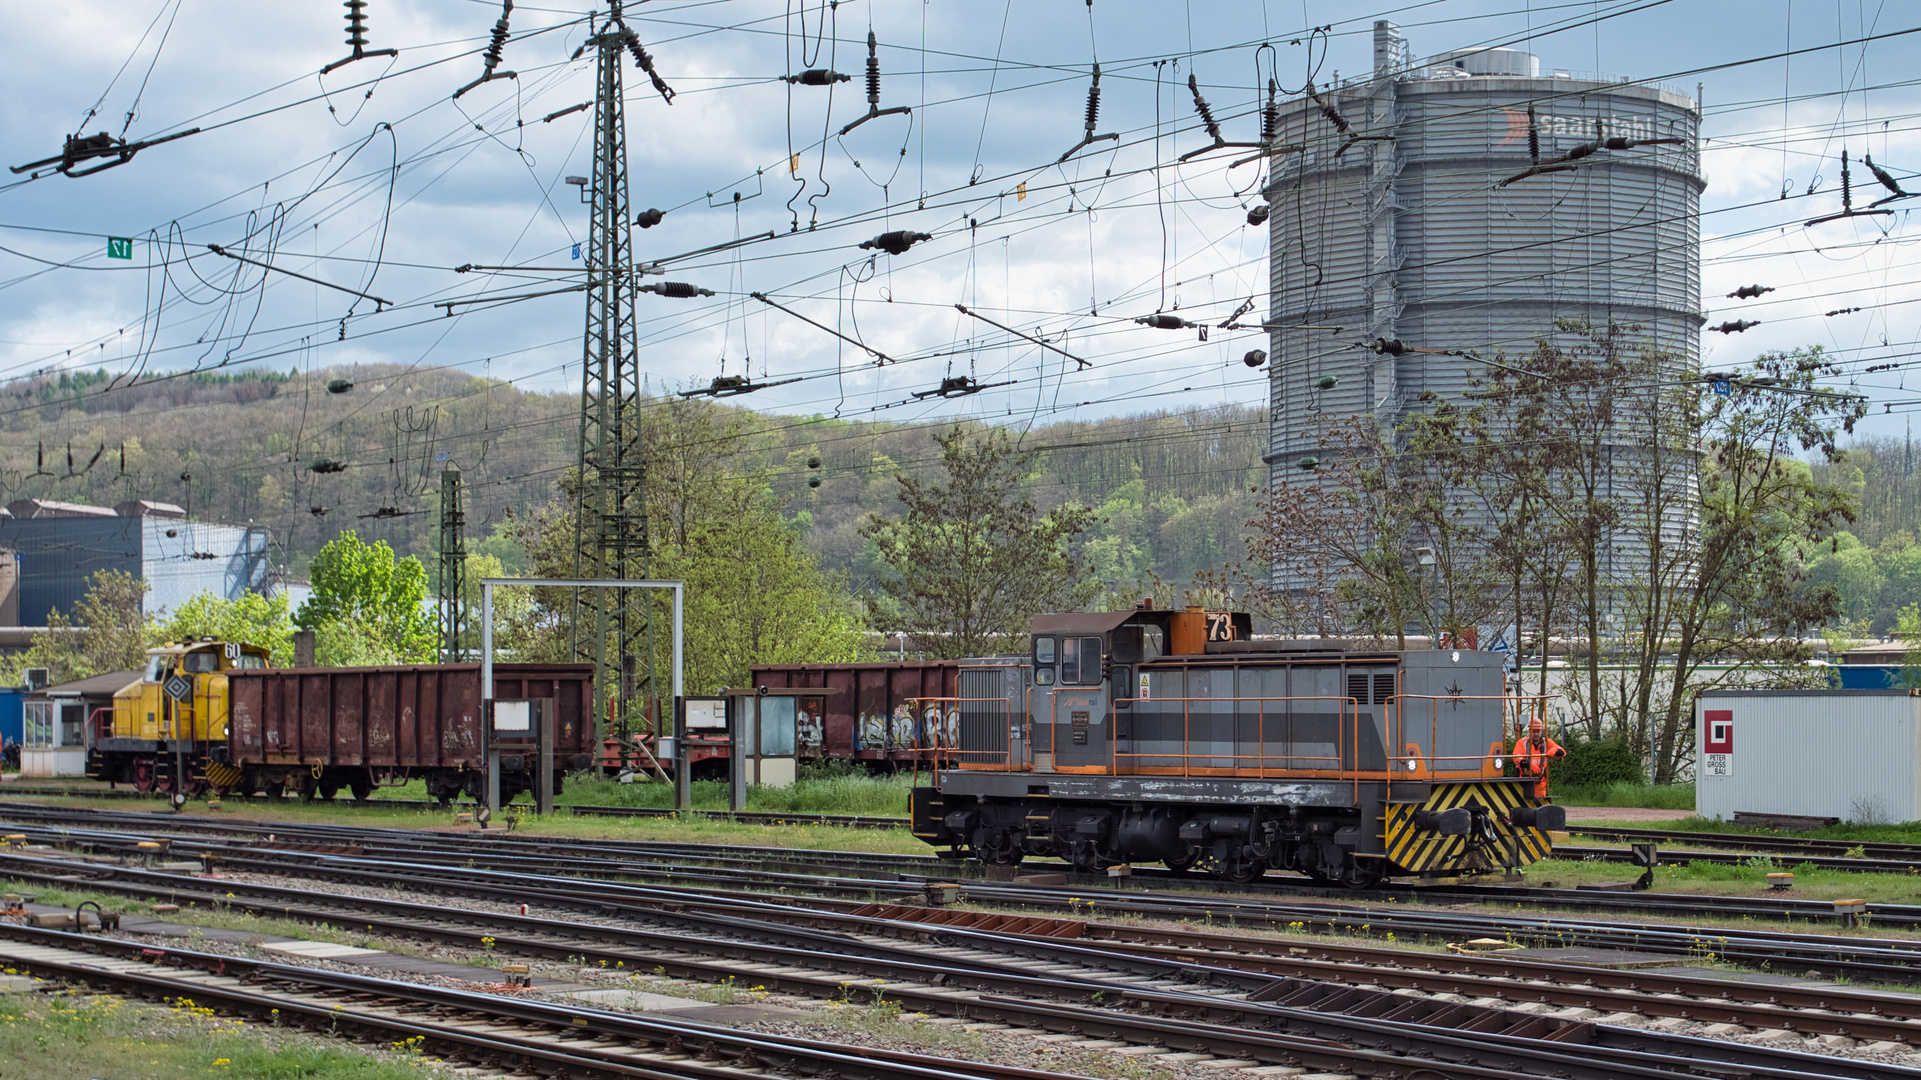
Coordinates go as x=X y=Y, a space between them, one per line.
x=200 y=661
x=250 y=661
x=1080 y=661
x=156 y=668
x=1044 y=661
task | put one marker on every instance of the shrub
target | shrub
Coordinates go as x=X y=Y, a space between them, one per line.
x=1597 y=763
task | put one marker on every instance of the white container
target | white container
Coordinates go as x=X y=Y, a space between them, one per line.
x=1848 y=754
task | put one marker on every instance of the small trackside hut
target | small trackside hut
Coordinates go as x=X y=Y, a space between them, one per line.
x=1168 y=736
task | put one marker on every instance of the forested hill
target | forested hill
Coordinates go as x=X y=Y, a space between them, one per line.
x=309 y=456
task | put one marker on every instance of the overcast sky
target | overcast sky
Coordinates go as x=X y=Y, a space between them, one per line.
x=372 y=179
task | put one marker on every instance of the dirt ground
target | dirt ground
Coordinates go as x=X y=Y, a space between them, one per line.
x=1621 y=814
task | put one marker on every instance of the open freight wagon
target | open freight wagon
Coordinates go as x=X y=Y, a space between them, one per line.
x=319 y=730
x=870 y=716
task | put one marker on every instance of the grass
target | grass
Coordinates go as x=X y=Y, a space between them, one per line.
x=77 y=1036
x=1626 y=793
x=824 y=790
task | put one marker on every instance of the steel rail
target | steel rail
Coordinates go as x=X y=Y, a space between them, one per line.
x=777 y=1052
x=1421 y=970
x=1397 y=1023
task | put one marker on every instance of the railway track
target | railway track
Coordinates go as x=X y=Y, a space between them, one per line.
x=1758 y=843
x=1258 y=1005
x=852 y=874
x=502 y=1032
x=745 y=817
x=1517 y=981
x=464 y=870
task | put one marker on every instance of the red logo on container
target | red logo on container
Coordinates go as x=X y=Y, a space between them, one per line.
x=1720 y=733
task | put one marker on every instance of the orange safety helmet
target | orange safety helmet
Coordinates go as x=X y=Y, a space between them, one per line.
x=1536 y=727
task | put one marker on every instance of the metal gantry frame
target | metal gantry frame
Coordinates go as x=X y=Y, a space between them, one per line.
x=544 y=781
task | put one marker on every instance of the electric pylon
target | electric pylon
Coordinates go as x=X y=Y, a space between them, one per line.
x=610 y=503
x=453 y=567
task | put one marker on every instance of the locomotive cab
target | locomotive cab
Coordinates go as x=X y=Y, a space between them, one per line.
x=1176 y=736
x=168 y=731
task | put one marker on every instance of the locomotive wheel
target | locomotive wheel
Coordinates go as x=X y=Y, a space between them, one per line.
x=997 y=847
x=1180 y=864
x=1244 y=869
x=1357 y=876
x=143 y=775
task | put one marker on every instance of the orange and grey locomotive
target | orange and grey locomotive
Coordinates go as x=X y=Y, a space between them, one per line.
x=1175 y=737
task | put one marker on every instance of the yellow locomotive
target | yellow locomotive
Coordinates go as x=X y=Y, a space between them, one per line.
x=168 y=732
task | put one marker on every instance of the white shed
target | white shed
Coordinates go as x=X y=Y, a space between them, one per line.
x=1848 y=754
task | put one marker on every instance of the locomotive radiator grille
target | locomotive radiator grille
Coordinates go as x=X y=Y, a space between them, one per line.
x=1419 y=850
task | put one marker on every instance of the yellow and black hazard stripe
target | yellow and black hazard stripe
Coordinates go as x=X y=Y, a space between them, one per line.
x=222 y=775
x=1416 y=850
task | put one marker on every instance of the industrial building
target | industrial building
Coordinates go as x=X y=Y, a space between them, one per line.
x=1400 y=263
x=57 y=547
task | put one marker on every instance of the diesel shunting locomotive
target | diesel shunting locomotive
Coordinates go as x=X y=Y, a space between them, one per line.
x=1169 y=736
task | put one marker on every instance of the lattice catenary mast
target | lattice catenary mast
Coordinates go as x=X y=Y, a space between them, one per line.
x=610 y=502
x=453 y=567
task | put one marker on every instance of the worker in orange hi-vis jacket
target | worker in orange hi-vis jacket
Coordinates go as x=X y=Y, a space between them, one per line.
x=1533 y=752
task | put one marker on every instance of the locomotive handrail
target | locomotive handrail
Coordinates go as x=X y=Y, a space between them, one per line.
x=938 y=751
x=1412 y=763
x=1348 y=714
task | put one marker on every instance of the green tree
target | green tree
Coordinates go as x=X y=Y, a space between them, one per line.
x=973 y=559
x=106 y=631
x=362 y=588
x=756 y=596
x=253 y=619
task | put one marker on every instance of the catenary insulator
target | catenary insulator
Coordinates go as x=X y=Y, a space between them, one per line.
x=1734 y=327
x=1255 y=357
x=894 y=243
x=339 y=386
x=1748 y=292
x=491 y=59
x=1270 y=114
x=1259 y=214
x=1164 y=322
x=679 y=290
x=357 y=23
x=1094 y=101
x=649 y=218
x=816 y=77
x=873 y=70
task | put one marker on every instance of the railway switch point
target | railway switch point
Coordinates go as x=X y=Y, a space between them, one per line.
x=1781 y=881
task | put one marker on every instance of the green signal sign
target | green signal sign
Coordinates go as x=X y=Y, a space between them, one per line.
x=119 y=247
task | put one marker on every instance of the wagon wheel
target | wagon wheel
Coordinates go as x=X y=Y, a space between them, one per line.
x=361 y=788
x=328 y=789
